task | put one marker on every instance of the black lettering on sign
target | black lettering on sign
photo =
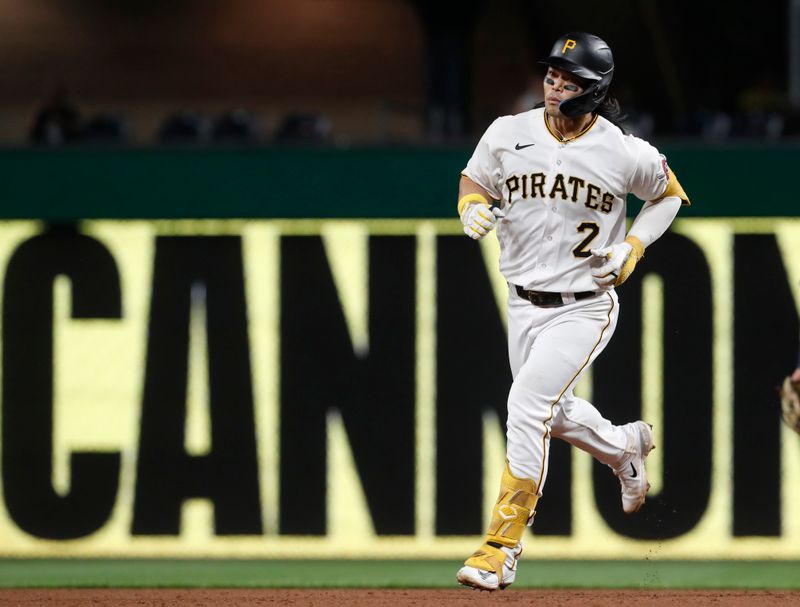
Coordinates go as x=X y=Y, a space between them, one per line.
x=374 y=392
x=473 y=377
x=27 y=416
x=687 y=383
x=765 y=346
x=210 y=268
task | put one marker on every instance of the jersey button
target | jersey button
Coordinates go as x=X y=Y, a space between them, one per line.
x=549 y=238
x=554 y=209
x=558 y=162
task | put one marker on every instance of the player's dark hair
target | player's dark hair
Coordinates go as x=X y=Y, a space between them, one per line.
x=610 y=110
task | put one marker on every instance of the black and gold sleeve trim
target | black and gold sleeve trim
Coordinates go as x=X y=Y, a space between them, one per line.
x=674 y=188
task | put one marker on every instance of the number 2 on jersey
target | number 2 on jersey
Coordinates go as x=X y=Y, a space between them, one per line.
x=582 y=250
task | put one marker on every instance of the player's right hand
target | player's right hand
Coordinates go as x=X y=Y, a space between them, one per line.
x=607 y=264
x=479 y=220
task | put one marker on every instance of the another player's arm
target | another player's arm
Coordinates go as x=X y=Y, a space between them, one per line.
x=474 y=208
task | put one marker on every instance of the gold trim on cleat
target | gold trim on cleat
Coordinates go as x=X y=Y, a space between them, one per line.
x=488 y=558
x=512 y=513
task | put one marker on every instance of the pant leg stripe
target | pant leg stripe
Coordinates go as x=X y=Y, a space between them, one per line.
x=569 y=383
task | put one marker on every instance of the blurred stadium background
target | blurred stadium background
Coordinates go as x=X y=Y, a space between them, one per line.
x=377 y=71
x=234 y=288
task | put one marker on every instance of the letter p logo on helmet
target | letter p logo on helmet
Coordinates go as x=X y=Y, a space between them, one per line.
x=569 y=44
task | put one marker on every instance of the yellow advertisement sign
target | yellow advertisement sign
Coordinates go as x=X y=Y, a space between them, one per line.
x=169 y=389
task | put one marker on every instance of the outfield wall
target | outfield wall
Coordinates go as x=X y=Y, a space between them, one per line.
x=744 y=180
x=310 y=387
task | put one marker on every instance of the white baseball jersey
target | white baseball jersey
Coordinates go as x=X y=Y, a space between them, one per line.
x=561 y=198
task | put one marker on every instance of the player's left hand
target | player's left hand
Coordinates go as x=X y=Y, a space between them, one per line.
x=611 y=266
x=607 y=263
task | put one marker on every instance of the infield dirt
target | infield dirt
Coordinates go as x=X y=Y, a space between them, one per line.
x=120 y=597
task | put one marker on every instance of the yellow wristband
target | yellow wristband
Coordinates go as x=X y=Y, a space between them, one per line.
x=637 y=252
x=638 y=247
x=468 y=198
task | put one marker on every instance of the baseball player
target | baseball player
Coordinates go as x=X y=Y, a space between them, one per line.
x=554 y=182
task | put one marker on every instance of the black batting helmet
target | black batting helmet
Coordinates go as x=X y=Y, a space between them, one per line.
x=588 y=57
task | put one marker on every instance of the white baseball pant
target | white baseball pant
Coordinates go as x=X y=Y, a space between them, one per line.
x=549 y=350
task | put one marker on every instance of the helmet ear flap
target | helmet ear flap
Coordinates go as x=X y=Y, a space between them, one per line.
x=586 y=102
x=600 y=94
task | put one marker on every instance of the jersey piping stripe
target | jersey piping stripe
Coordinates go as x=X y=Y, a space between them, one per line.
x=569 y=383
x=558 y=138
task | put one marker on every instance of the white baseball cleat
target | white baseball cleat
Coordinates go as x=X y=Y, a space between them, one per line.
x=631 y=471
x=483 y=579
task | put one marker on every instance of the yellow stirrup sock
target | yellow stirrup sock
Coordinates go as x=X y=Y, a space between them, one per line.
x=514 y=510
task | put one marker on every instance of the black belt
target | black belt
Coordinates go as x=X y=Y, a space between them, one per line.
x=544 y=299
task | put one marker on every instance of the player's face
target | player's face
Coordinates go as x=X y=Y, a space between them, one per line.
x=559 y=86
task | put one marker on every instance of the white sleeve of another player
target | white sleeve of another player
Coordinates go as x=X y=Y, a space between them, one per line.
x=483 y=168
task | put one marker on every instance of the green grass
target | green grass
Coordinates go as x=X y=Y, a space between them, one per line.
x=41 y=573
